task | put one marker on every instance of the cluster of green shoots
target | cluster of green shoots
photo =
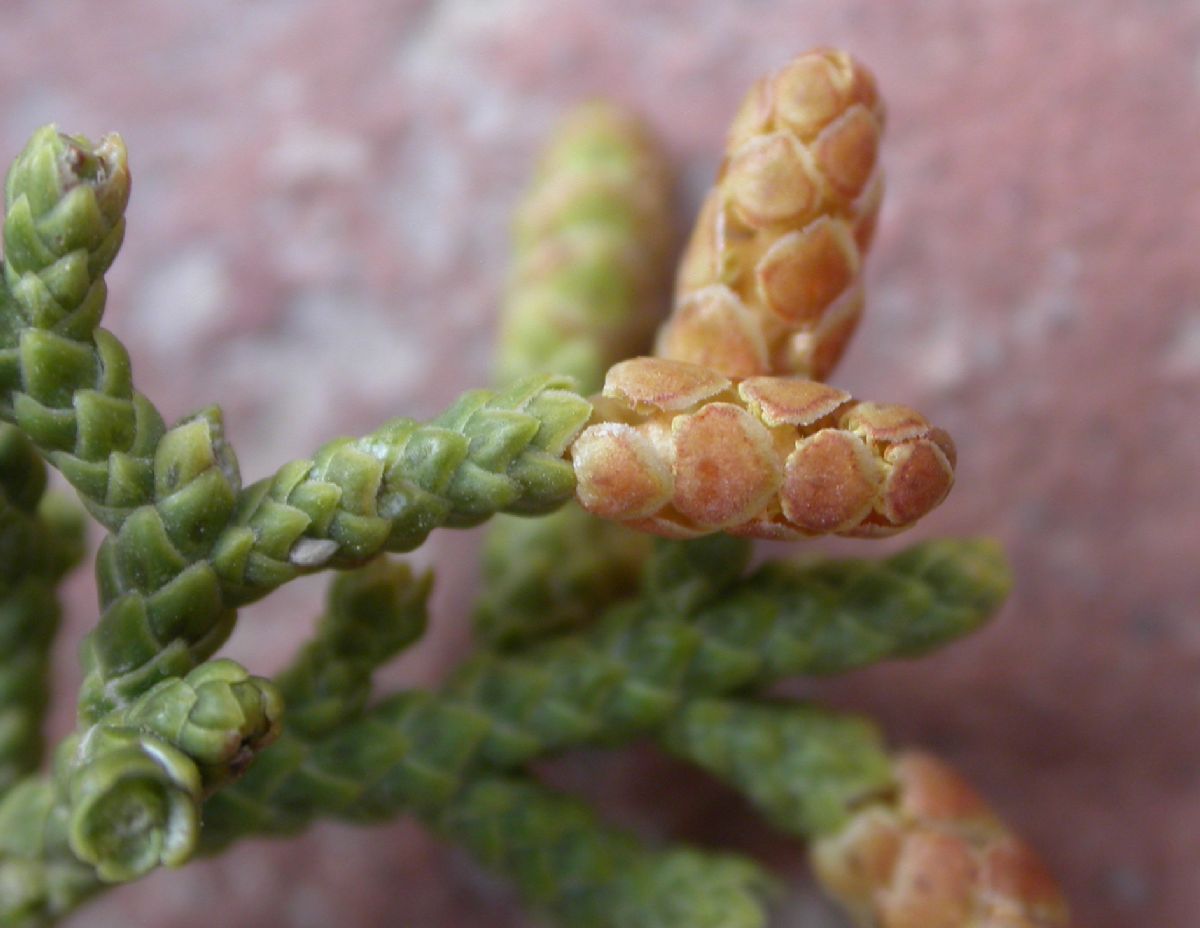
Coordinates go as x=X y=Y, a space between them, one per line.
x=588 y=633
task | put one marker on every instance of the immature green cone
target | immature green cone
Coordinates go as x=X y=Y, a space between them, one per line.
x=592 y=237
x=601 y=167
x=64 y=381
x=371 y=615
x=588 y=875
x=588 y=286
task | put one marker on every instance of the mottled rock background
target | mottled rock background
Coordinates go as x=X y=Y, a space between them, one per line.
x=318 y=235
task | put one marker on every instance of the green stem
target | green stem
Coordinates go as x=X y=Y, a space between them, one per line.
x=173 y=575
x=41 y=538
x=630 y=673
x=805 y=769
x=65 y=382
x=490 y=452
x=371 y=615
x=589 y=875
x=189 y=545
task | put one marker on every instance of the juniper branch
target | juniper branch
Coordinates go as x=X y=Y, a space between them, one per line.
x=628 y=674
x=489 y=452
x=126 y=792
x=588 y=875
x=63 y=380
x=173 y=575
x=41 y=538
x=634 y=668
x=371 y=615
x=189 y=544
x=899 y=840
x=563 y=860
x=807 y=770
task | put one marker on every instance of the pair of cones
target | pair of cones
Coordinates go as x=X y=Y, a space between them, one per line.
x=730 y=427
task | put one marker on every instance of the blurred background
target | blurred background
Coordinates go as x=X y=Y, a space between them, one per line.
x=318 y=237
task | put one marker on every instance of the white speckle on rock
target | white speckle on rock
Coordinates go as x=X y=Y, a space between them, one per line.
x=426 y=219
x=281 y=91
x=1128 y=885
x=1052 y=306
x=334 y=350
x=307 y=154
x=244 y=875
x=449 y=32
x=942 y=357
x=183 y=299
x=987 y=349
x=1181 y=359
x=309 y=907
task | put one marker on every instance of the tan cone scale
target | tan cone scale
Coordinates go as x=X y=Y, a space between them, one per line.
x=936 y=857
x=771 y=279
x=730 y=428
x=678 y=450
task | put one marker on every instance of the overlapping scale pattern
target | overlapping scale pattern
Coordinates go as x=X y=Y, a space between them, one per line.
x=679 y=450
x=771 y=282
x=934 y=854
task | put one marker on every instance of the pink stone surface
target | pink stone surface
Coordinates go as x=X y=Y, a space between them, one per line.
x=318 y=236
